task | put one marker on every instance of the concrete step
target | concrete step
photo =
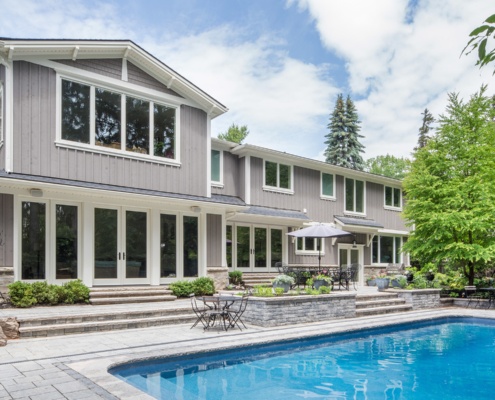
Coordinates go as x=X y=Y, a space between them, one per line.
x=100 y=326
x=376 y=296
x=364 y=312
x=379 y=303
x=130 y=299
x=128 y=293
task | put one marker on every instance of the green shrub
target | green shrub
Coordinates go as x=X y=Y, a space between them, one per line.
x=309 y=290
x=279 y=291
x=235 y=277
x=181 y=288
x=23 y=294
x=263 y=291
x=203 y=286
x=325 y=289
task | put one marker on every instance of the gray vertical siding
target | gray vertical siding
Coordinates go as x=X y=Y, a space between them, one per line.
x=139 y=77
x=375 y=208
x=6 y=230
x=108 y=67
x=231 y=183
x=35 y=152
x=214 y=240
x=2 y=148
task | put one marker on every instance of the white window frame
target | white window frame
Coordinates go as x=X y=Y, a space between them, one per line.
x=305 y=252
x=391 y=207
x=2 y=96
x=325 y=196
x=277 y=188
x=219 y=183
x=354 y=197
x=124 y=92
x=381 y=264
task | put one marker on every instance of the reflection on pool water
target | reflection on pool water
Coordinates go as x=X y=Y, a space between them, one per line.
x=451 y=358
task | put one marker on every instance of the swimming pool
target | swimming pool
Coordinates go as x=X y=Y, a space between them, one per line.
x=451 y=358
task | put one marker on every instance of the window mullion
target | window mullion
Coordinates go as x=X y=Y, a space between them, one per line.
x=152 y=130
x=92 y=115
x=278 y=175
x=123 y=116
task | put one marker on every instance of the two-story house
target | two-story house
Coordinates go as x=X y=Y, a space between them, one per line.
x=108 y=173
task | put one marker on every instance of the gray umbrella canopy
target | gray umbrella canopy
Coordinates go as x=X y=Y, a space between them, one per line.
x=320 y=231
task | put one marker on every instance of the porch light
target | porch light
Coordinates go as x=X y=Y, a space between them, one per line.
x=354 y=245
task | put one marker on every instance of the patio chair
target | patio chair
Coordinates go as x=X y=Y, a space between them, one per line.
x=200 y=311
x=235 y=313
x=282 y=268
x=473 y=295
x=352 y=275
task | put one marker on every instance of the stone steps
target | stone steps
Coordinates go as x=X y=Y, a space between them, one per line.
x=254 y=279
x=103 y=321
x=380 y=303
x=129 y=294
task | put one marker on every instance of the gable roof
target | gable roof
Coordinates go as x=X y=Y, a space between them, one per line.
x=70 y=49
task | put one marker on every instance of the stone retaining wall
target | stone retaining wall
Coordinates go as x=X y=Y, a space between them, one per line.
x=419 y=298
x=220 y=276
x=290 y=310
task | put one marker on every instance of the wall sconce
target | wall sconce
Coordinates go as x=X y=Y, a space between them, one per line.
x=196 y=209
x=354 y=245
x=36 y=192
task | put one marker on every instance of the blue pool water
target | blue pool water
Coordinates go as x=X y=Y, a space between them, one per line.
x=448 y=359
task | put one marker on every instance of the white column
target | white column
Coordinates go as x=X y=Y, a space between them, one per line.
x=155 y=248
x=202 y=244
x=88 y=243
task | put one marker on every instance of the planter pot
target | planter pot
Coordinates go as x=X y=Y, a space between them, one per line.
x=382 y=283
x=395 y=283
x=285 y=286
x=371 y=282
x=317 y=283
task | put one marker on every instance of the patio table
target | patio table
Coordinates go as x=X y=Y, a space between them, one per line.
x=218 y=309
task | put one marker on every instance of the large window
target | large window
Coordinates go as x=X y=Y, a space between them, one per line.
x=386 y=250
x=306 y=245
x=33 y=243
x=393 y=197
x=66 y=247
x=216 y=167
x=121 y=122
x=327 y=186
x=354 y=196
x=278 y=176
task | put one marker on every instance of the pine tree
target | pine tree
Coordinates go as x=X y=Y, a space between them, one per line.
x=343 y=146
x=425 y=128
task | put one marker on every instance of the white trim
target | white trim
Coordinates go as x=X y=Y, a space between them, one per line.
x=347 y=212
x=324 y=196
x=2 y=102
x=278 y=189
x=391 y=208
x=394 y=232
x=218 y=183
x=124 y=69
x=208 y=156
x=122 y=152
x=305 y=252
x=8 y=117
x=247 y=179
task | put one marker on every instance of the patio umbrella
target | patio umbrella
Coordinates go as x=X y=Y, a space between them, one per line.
x=320 y=231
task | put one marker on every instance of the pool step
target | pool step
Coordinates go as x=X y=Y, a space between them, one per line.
x=380 y=303
x=100 y=321
x=129 y=294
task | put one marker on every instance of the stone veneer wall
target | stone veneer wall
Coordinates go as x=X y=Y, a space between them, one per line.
x=420 y=298
x=290 y=310
x=220 y=276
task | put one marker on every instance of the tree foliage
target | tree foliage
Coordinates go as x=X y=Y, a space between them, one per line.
x=235 y=133
x=343 y=146
x=388 y=165
x=479 y=40
x=451 y=189
x=425 y=129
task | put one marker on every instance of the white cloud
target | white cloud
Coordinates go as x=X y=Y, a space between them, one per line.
x=400 y=63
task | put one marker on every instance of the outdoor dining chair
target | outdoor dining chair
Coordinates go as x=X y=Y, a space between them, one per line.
x=235 y=312
x=473 y=295
x=200 y=310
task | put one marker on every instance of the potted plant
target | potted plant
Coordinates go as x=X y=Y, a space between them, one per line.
x=382 y=282
x=322 y=280
x=371 y=281
x=399 y=281
x=283 y=281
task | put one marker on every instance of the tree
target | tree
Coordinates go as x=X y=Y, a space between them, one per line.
x=451 y=189
x=479 y=40
x=235 y=133
x=393 y=167
x=343 y=146
x=425 y=128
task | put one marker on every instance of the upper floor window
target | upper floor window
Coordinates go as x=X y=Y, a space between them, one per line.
x=216 y=167
x=278 y=176
x=116 y=121
x=354 y=196
x=1 y=112
x=393 y=197
x=306 y=245
x=327 y=186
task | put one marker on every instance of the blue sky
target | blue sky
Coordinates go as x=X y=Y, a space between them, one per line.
x=278 y=65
